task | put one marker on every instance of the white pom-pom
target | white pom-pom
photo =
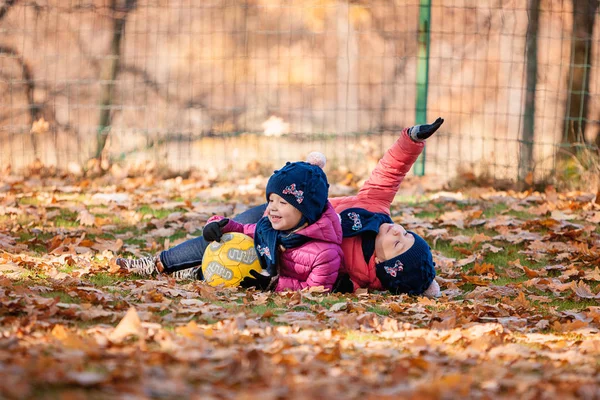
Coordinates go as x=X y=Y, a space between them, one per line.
x=433 y=290
x=316 y=158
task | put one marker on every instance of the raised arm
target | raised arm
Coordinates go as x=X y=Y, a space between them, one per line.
x=379 y=190
x=384 y=181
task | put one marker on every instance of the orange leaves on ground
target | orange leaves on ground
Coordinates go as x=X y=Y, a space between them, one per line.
x=71 y=318
x=475 y=280
x=519 y=302
x=484 y=268
x=528 y=271
x=480 y=238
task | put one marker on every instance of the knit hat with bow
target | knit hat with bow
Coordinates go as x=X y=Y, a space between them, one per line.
x=303 y=185
x=411 y=272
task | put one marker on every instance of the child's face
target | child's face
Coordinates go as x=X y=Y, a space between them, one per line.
x=391 y=241
x=283 y=215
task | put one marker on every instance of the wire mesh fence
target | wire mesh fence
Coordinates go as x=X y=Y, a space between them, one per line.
x=218 y=84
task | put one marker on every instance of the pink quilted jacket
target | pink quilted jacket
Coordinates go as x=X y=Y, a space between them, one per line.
x=316 y=262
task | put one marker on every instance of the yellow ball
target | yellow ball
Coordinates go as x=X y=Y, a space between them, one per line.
x=229 y=261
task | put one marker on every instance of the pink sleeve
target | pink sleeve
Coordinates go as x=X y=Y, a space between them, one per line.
x=383 y=184
x=233 y=226
x=324 y=273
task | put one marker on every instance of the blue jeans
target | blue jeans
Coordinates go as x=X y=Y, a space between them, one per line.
x=189 y=253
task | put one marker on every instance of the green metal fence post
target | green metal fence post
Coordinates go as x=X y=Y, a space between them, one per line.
x=422 y=75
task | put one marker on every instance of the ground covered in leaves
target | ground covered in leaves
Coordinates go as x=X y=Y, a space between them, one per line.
x=519 y=316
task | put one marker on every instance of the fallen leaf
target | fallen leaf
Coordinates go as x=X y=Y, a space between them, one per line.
x=129 y=325
x=484 y=268
x=86 y=218
x=584 y=291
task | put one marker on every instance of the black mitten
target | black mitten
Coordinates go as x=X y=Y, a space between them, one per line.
x=343 y=284
x=419 y=133
x=259 y=281
x=212 y=231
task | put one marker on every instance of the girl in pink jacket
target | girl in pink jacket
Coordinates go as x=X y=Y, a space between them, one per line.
x=298 y=241
x=379 y=254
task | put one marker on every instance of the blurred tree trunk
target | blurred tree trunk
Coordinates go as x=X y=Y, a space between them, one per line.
x=6 y=6
x=526 y=146
x=29 y=83
x=578 y=80
x=598 y=140
x=120 y=12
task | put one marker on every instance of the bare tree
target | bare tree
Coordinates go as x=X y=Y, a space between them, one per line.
x=26 y=73
x=6 y=6
x=578 y=80
x=120 y=12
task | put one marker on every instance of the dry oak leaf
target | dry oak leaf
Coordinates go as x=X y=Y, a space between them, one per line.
x=484 y=268
x=475 y=280
x=461 y=239
x=561 y=216
x=480 y=237
x=521 y=300
x=569 y=326
x=129 y=325
x=190 y=330
x=531 y=273
x=584 y=291
x=491 y=248
x=467 y=260
x=592 y=275
x=86 y=218
x=112 y=245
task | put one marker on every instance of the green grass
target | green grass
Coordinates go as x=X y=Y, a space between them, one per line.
x=447 y=249
x=64 y=297
x=379 y=310
x=66 y=268
x=104 y=279
x=263 y=308
x=178 y=235
x=29 y=201
x=510 y=253
x=160 y=214
x=494 y=210
x=22 y=220
x=575 y=305
x=408 y=200
x=66 y=219
x=505 y=281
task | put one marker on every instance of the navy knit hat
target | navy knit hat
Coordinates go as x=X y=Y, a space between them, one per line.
x=411 y=272
x=304 y=186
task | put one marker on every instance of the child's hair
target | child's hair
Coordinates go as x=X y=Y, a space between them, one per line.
x=411 y=272
x=303 y=185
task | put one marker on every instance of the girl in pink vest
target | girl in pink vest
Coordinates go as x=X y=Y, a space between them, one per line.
x=298 y=240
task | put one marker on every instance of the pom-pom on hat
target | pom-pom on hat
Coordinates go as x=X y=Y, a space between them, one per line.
x=303 y=185
x=411 y=272
x=316 y=158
